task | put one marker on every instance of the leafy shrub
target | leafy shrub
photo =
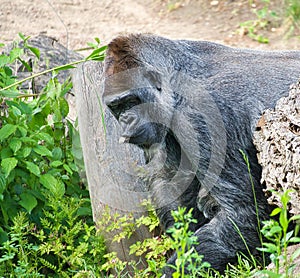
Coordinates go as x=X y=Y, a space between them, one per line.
x=280 y=237
x=46 y=225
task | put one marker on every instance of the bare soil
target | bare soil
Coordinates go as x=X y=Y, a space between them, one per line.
x=76 y=22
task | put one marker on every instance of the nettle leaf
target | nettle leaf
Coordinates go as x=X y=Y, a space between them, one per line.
x=296 y=254
x=45 y=137
x=6 y=131
x=56 y=163
x=48 y=181
x=15 y=144
x=42 y=150
x=26 y=152
x=2 y=183
x=28 y=201
x=64 y=107
x=8 y=164
x=6 y=153
x=4 y=60
x=22 y=130
x=35 y=51
x=52 y=184
x=57 y=116
x=25 y=64
x=60 y=189
x=68 y=169
x=34 y=169
x=25 y=108
x=27 y=140
x=11 y=93
x=57 y=153
x=16 y=111
x=15 y=53
x=66 y=67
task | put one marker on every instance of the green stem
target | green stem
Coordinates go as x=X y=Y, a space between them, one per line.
x=41 y=73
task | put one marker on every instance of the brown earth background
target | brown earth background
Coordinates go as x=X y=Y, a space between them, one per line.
x=76 y=22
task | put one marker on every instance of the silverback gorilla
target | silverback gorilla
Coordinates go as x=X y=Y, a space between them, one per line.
x=192 y=107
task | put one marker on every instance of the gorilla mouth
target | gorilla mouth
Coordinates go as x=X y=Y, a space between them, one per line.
x=140 y=139
x=137 y=139
x=124 y=139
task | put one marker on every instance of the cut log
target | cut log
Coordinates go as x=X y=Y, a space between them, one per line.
x=277 y=140
x=110 y=166
x=278 y=143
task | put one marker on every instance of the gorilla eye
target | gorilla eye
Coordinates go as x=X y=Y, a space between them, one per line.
x=123 y=103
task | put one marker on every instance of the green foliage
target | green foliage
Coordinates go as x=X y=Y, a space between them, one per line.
x=62 y=246
x=183 y=242
x=156 y=249
x=35 y=152
x=293 y=10
x=46 y=225
x=264 y=18
x=287 y=15
x=279 y=236
x=292 y=13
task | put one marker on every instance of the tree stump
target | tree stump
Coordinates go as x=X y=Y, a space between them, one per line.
x=278 y=143
x=277 y=140
x=110 y=166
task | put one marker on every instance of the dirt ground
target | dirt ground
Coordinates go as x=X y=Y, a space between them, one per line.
x=76 y=22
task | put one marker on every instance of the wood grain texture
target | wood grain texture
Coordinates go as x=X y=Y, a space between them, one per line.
x=110 y=166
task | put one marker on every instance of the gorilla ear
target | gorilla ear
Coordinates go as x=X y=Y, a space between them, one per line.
x=120 y=55
x=154 y=79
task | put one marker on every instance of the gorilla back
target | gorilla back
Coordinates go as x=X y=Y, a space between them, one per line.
x=192 y=107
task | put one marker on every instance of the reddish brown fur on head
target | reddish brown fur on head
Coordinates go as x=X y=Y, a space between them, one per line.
x=120 y=55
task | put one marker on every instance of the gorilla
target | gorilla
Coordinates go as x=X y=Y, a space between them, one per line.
x=192 y=107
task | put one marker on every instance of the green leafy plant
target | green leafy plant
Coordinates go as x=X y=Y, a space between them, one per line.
x=279 y=236
x=19 y=256
x=183 y=242
x=156 y=249
x=292 y=14
x=264 y=17
x=64 y=244
x=293 y=10
x=46 y=225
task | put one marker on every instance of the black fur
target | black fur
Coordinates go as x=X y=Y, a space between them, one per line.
x=203 y=96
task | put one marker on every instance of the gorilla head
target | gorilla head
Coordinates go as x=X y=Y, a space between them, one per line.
x=133 y=93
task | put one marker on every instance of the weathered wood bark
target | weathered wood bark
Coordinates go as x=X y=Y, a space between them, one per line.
x=110 y=166
x=277 y=140
x=278 y=143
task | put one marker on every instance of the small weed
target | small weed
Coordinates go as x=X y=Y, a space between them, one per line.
x=279 y=238
x=292 y=14
x=183 y=242
x=264 y=17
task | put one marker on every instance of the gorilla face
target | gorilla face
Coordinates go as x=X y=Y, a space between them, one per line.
x=138 y=117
